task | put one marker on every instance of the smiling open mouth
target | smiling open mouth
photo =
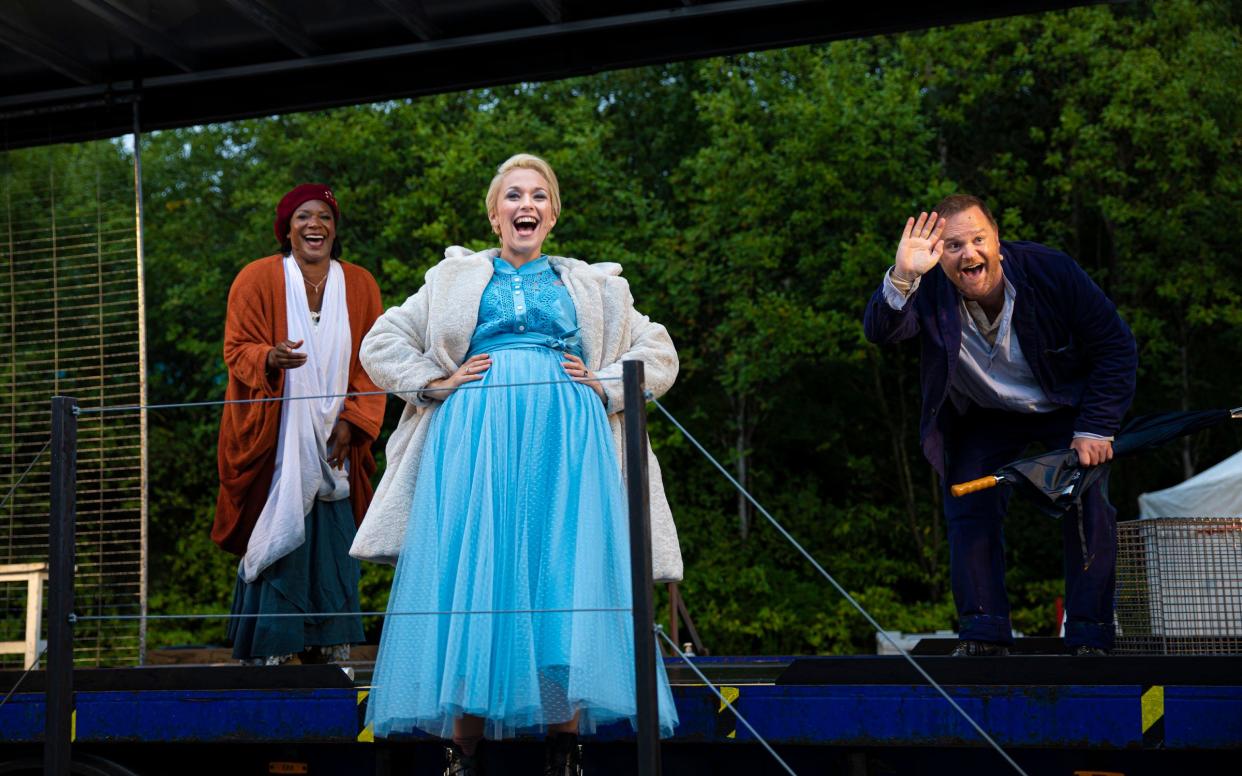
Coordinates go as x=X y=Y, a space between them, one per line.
x=973 y=270
x=525 y=225
x=314 y=240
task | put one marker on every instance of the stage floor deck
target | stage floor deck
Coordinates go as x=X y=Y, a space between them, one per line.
x=1190 y=703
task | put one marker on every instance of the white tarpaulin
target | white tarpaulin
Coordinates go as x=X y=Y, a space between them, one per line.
x=1216 y=492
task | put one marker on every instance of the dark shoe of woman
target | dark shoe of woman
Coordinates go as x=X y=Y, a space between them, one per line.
x=564 y=755
x=458 y=763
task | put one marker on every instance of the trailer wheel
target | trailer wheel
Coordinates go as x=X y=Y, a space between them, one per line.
x=83 y=765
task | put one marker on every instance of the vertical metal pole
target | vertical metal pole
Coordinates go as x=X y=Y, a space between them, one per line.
x=640 y=569
x=674 y=599
x=11 y=302
x=51 y=197
x=58 y=729
x=140 y=250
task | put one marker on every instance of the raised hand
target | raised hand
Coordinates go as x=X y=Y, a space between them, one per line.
x=920 y=247
x=472 y=369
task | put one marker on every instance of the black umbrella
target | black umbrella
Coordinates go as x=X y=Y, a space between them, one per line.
x=1054 y=481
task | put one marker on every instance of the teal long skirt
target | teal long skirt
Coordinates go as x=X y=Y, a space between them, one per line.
x=318 y=577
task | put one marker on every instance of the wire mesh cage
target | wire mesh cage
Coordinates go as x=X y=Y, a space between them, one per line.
x=70 y=322
x=1179 y=586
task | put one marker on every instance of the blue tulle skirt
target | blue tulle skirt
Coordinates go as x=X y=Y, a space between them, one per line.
x=519 y=510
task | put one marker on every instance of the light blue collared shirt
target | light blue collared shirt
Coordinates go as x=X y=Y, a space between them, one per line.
x=995 y=375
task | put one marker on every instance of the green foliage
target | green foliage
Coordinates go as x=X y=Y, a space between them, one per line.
x=755 y=201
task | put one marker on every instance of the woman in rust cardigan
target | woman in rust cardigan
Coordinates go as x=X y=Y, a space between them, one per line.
x=295 y=475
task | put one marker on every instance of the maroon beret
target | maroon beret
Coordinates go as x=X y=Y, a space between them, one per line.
x=300 y=194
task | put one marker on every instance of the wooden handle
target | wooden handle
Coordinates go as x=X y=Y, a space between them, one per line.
x=983 y=483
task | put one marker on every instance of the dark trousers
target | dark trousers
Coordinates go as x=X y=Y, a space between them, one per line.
x=978 y=443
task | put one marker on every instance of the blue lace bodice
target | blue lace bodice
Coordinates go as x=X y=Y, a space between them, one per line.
x=524 y=307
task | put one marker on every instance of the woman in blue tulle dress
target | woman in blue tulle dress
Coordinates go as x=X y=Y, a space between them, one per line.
x=518 y=524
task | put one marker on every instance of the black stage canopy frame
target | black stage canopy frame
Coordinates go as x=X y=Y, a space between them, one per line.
x=73 y=67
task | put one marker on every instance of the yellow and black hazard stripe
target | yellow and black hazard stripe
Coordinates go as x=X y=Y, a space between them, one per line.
x=365 y=733
x=726 y=720
x=1153 y=716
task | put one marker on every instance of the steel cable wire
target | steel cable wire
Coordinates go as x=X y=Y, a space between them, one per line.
x=844 y=593
x=231 y=616
x=203 y=616
x=222 y=402
x=659 y=629
x=25 y=673
x=38 y=455
x=476 y=386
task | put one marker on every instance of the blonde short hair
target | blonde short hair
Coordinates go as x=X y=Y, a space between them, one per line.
x=524 y=162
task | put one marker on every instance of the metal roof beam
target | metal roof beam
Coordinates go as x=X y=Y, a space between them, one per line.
x=141 y=31
x=47 y=53
x=551 y=9
x=412 y=15
x=283 y=27
x=34 y=114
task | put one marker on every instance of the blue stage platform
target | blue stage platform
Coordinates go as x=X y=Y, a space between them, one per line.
x=816 y=710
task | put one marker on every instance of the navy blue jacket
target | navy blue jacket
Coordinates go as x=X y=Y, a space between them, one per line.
x=1081 y=352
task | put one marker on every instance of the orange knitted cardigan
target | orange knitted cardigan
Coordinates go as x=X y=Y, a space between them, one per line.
x=246 y=453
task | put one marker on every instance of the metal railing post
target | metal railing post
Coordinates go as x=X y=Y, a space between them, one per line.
x=58 y=729
x=648 y=734
x=143 y=426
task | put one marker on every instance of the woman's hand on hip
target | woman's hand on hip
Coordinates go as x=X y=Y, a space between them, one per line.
x=338 y=444
x=472 y=369
x=580 y=374
x=285 y=356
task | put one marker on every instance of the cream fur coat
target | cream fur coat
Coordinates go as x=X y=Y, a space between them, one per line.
x=427 y=338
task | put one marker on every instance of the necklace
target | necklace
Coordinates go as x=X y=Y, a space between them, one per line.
x=316 y=286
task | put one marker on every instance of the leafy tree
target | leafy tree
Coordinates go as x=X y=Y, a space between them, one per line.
x=754 y=202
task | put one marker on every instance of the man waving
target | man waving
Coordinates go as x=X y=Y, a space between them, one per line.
x=1018 y=346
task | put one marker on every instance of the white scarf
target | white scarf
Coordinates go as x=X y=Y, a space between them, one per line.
x=305 y=424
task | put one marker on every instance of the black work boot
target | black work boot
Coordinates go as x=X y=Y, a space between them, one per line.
x=458 y=763
x=968 y=648
x=1082 y=650
x=564 y=755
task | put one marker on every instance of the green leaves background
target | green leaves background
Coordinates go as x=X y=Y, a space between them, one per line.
x=755 y=201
